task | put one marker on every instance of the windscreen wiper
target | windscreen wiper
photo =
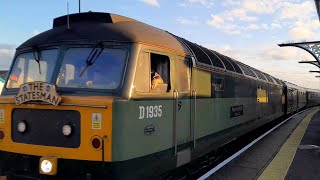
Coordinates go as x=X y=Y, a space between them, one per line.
x=37 y=57
x=93 y=56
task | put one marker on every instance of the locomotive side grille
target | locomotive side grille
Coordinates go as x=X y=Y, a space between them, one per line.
x=247 y=71
x=235 y=65
x=44 y=127
x=200 y=54
x=268 y=77
x=215 y=60
x=278 y=81
x=260 y=76
x=225 y=62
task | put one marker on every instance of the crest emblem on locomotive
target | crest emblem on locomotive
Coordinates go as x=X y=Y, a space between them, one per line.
x=38 y=91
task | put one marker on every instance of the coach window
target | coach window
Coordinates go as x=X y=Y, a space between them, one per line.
x=152 y=73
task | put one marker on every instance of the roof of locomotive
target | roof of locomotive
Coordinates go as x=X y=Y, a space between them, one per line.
x=93 y=26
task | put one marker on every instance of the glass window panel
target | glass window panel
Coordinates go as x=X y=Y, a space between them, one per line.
x=26 y=68
x=142 y=79
x=105 y=72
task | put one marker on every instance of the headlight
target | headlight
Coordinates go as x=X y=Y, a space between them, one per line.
x=22 y=126
x=46 y=166
x=66 y=130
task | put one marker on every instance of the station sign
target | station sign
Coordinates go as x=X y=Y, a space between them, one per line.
x=38 y=91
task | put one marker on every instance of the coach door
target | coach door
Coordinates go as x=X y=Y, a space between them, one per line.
x=182 y=104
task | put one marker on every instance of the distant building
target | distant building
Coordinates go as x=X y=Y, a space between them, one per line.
x=3 y=75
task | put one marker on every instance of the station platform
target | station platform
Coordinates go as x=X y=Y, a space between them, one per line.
x=292 y=151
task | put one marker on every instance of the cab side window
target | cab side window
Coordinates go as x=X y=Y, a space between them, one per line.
x=160 y=73
x=152 y=73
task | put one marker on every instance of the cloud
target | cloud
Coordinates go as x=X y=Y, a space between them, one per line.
x=151 y=2
x=305 y=30
x=225 y=23
x=216 y=21
x=283 y=53
x=262 y=26
x=246 y=15
x=260 y=6
x=230 y=3
x=6 y=54
x=6 y=46
x=275 y=25
x=207 y=3
x=219 y=23
x=224 y=49
x=185 y=21
x=237 y=14
x=294 y=11
x=253 y=27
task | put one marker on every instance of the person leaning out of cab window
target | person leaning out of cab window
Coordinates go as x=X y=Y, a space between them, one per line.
x=156 y=80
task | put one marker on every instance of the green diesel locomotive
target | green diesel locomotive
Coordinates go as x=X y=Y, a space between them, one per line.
x=104 y=96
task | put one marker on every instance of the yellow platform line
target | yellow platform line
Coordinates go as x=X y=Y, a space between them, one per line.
x=279 y=166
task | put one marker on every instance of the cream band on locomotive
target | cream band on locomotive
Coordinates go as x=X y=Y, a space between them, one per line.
x=108 y=96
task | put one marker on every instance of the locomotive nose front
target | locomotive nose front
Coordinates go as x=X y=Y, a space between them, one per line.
x=51 y=137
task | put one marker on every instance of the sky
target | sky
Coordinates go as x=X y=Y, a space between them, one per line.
x=247 y=30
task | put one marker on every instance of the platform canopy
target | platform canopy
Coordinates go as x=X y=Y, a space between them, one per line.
x=312 y=47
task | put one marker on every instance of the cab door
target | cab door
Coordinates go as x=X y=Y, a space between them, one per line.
x=182 y=104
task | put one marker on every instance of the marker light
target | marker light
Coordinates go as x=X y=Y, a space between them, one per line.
x=22 y=126
x=96 y=142
x=66 y=130
x=46 y=166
